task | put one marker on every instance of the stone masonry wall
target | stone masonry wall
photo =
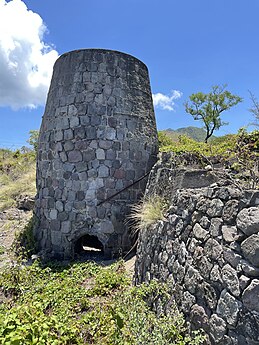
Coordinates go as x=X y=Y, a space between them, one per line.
x=98 y=135
x=207 y=249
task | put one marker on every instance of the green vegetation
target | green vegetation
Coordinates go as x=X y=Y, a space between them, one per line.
x=240 y=152
x=84 y=304
x=147 y=212
x=17 y=176
x=246 y=157
x=218 y=146
x=24 y=243
x=33 y=139
x=208 y=107
x=196 y=133
x=2 y=250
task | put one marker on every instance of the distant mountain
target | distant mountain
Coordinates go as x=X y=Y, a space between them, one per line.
x=195 y=133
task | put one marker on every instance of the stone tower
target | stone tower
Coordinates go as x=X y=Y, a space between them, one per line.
x=98 y=136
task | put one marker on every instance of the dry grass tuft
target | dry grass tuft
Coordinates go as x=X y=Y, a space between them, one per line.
x=148 y=212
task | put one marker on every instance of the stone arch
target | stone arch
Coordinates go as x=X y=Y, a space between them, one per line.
x=88 y=244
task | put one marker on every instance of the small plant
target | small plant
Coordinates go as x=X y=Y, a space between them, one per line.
x=148 y=211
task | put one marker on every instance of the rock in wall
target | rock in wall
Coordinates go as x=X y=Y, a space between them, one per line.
x=207 y=249
x=98 y=135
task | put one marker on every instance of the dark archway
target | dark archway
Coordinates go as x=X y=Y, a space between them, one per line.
x=89 y=245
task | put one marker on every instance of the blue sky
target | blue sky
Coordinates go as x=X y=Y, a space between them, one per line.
x=187 y=45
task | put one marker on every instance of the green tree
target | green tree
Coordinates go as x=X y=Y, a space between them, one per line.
x=33 y=139
x=208 y=107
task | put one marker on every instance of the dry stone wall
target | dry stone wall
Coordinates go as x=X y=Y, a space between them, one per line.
x=98 y=136
x=207 y=249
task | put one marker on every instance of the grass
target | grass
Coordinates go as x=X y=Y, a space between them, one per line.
x=148 y=212
x=17 y=176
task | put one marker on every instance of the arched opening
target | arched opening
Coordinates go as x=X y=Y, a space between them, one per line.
x=89 y=245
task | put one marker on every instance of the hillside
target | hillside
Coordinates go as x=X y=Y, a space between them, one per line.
x=195 y=133
x=17 y=176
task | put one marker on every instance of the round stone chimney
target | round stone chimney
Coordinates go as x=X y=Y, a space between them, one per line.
x=97 y=139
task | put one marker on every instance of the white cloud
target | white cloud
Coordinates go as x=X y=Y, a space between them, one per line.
x=26 y=61
x=166 y=102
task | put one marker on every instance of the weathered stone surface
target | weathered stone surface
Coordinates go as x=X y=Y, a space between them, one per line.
x=218 y=327
x=250 y=249
x=230 y=211
x=103 y=171
x=232 y=257
x=249 y=269
x=107 y=227
x=248 y=220
x=205 y=222
x=100 y=154
x=188 y=301
x=66 y=227
x=213 y=249
x=250 y=296
x=215 y=226
x=228 y=308
x=229 y=233
x=215 y=274
x=75 y=156
x=229 y=277
x=243 y=282
x=197 y=179
x=192 y=279
x=199 y=232
x=215 y=208
x=212 y=277
x=199 y=317
x=53 y=214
